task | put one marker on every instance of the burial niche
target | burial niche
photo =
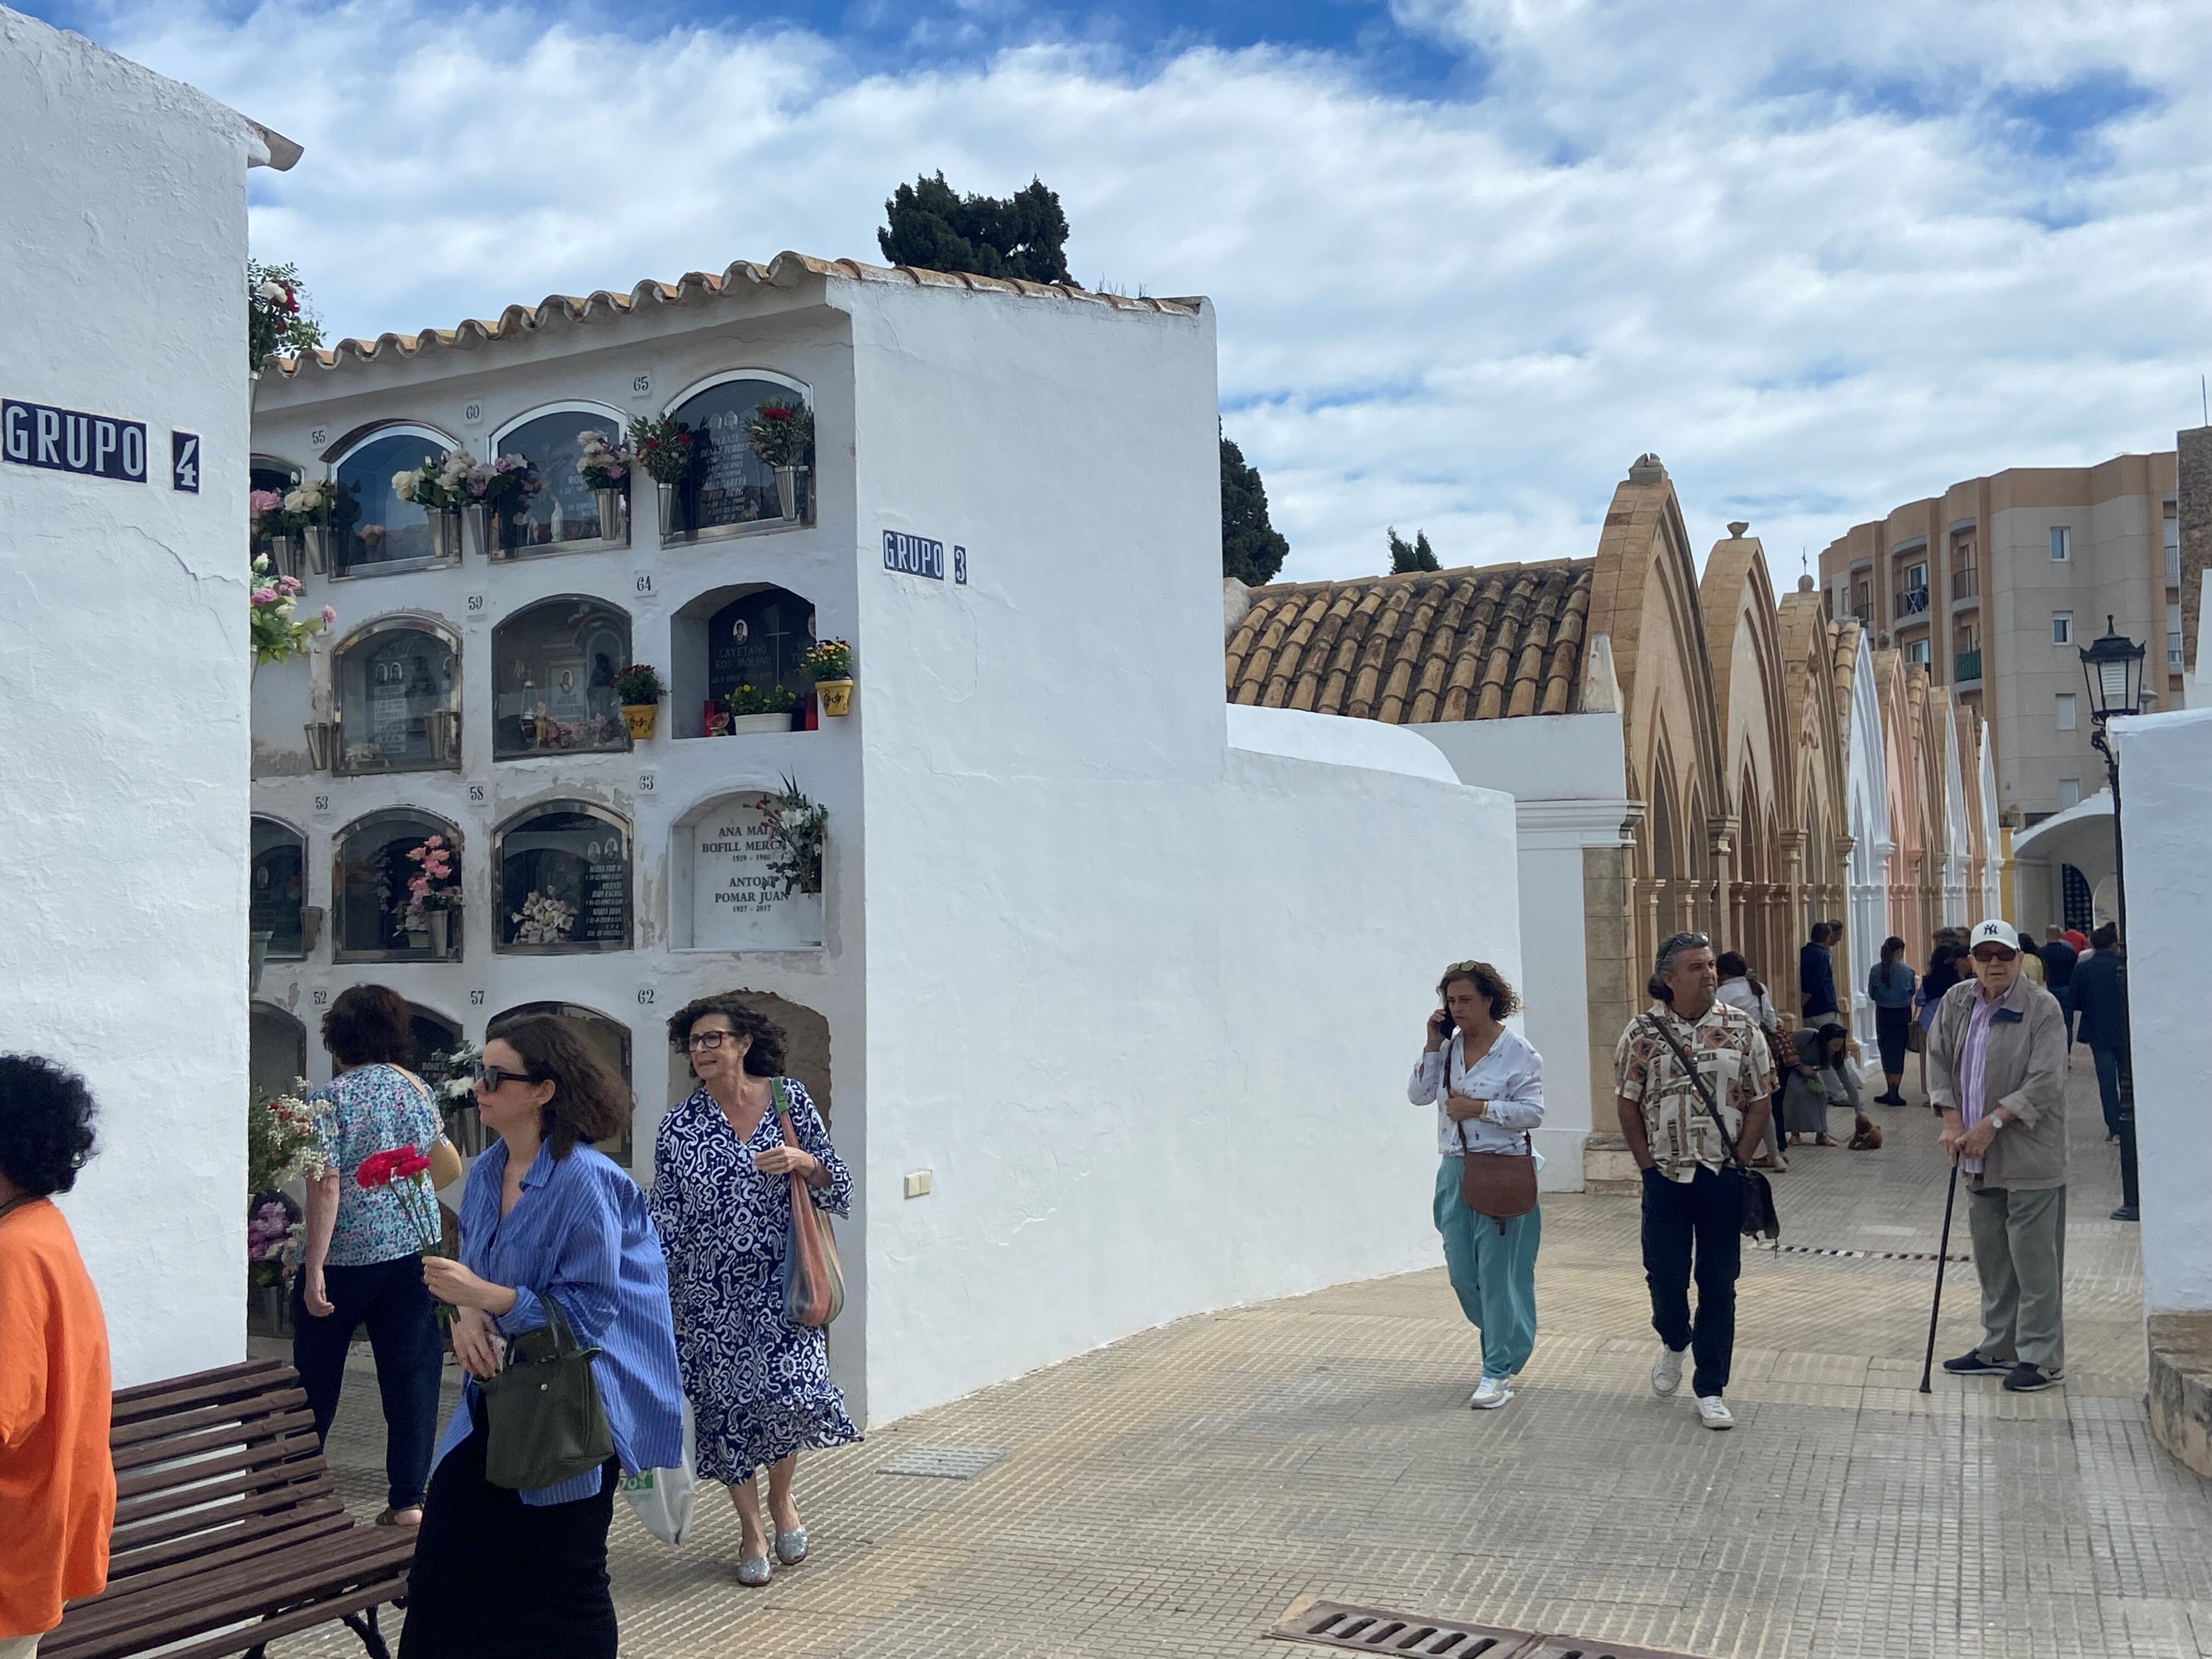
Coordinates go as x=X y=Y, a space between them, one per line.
x=397 y=689
x=277 y=1049
x=278 y=892
x=564 y=879
x=553 y=672
x=377 y=530
x=728 y=484
x=369 y=888
x=559 y=510
x=728 y=889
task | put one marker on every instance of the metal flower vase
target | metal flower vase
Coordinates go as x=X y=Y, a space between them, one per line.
x=441 y=934
x=441 y=730
x=614 y=514
x=284 y=555
x=484 y=525
x=786 y=490
x=667 y=495
x=256 y=958
x=445 y=526
x=322 y=737
x=316 y=538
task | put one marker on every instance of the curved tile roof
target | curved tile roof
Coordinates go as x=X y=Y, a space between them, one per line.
x=1426 y=646
x=787 y=270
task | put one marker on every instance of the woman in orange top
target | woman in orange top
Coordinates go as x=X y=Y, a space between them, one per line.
x=57 y=1481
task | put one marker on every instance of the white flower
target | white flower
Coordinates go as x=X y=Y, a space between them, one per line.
x=271 y=291
x=295 y=500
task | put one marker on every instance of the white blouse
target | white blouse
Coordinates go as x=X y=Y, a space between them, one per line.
x=1510 y=1077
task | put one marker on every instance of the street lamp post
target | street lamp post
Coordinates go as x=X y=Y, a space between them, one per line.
x=2113 y=667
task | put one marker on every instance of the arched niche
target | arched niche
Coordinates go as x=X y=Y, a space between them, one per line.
x=729 y=489
x=273 y=472
x=805 y=1049
x=553 y=669
x=396 y=683
x=608 y=1039
x=750 y=634
x=278 y=887
x=560 y=513
x=369 y=873
x=722 y=893
x=277 y=1049
x=378 y=531
x=563 y=872
x=437 y=1040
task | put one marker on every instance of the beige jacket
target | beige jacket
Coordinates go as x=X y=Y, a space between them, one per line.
x=2024 y=1071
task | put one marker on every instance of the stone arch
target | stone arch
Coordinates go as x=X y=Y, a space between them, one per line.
x=1749 y=683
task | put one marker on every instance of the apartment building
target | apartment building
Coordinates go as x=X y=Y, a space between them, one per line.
x=1993 y=587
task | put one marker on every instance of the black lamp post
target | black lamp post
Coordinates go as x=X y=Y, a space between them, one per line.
x=2113 y=667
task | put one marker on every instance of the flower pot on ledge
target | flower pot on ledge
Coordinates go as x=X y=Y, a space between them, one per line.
x=836 y=697
x=742 y=724
x=640 y=718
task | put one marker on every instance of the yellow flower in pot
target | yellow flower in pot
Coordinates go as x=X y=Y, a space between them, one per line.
x=639 y=689
x=829 y=663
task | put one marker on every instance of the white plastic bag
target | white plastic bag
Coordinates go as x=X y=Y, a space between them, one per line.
x=666 y=1499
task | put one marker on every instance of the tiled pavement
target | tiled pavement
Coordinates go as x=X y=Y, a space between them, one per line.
x=1172 y=1494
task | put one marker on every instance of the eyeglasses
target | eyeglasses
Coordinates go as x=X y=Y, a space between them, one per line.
x=492 y=1078
x=1462 y=967
x=1995 y=953
x=708 y=1039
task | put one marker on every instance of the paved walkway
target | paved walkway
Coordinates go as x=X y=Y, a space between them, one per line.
x=1174 y=1493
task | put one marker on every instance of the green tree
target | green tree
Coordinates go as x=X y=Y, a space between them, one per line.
x=1023 y=236
x=1252 y=549
x=1415 y=557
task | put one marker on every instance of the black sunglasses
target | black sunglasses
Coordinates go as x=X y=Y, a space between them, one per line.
x=492 y=1078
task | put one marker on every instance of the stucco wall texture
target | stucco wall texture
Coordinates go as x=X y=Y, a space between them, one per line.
x=124 y=667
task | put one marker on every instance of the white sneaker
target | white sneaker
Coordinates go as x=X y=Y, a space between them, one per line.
x=1667 y=1371
x=1494 y=1392
x=1713 y=1412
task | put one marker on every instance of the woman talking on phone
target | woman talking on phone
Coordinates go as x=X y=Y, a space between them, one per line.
x=1487 y=1085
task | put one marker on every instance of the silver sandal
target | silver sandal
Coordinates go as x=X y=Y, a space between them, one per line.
x=756 y=1573
x=791 y=1546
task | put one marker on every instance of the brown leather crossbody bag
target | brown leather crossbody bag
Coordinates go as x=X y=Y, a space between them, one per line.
x=1499 y=1185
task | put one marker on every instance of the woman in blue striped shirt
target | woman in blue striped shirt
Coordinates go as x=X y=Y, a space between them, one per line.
x=499 y=1572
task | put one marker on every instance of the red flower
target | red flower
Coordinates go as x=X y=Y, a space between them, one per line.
x=777 y=412
x=394 y=1163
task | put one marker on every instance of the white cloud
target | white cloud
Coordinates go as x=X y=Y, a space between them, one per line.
x=1814 y=272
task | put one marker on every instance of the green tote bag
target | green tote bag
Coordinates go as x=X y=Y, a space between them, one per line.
x=543 y=1418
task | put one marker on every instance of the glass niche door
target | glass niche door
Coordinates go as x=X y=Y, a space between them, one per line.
x=558 y=510
x=396 y=701
x=375 y=528
x=563 y=881
x=553 y=669
x=729 y=485
x=278 y=896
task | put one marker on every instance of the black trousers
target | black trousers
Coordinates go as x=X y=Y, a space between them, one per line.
x=1890 y=1027
x=1699 y=1221
x=494 y=1578
x=391 y=1300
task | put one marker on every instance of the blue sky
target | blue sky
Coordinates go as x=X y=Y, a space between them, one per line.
x=1469 y=257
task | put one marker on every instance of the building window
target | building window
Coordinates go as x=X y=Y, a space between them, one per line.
x=2061 y=627
x=553 y=674
x=2173 y=638
x=377 y=530
x=2062 y=543
x=2069 y=792
x=728 y=485
x=559 y=510
x=1916 y=651
x=562 y=873
x=278 y=901
x=2173 y=545
x=1916 y=576
x=2067 y=718
x=370 y=877
x=398 y=691
x=2080 y=912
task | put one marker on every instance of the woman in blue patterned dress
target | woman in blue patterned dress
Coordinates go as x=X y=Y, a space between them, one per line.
x=759 y=1385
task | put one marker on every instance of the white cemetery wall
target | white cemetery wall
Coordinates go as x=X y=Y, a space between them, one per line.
x=2166 y=781
x=1142 y=1004
x=123 y=665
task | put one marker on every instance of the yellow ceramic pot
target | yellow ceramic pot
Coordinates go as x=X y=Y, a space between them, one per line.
x=640 y=717
x=836 y=696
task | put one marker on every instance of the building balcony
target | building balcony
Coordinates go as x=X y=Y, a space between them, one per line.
x=1967 y=668
x=1967 y=583
x=1913 y=602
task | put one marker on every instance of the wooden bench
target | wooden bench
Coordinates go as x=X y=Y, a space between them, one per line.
x=228 y=1530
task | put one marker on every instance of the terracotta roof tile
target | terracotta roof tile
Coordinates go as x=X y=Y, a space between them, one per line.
x=787 y=270
x=1411 y=649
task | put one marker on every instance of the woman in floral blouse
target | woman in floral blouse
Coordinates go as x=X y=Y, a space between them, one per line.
x=759 y=1385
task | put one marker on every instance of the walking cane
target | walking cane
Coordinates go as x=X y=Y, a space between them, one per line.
x=1942 y=1255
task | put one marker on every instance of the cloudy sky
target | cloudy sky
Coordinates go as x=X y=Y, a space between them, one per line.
x=1469 y=257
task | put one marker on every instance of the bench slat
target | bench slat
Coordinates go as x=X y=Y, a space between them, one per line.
x=288 y=1622
x=217 y=1436
x=176 y=1393
x=241 y=1414
x=181 y=1484
x=239 y=1528
x=158 y=1525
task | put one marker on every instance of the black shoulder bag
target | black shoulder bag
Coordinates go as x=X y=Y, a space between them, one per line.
x=1760 y=1220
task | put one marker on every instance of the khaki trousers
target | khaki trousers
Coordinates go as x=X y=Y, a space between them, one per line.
x=2020 y=1254
x=19 y=1647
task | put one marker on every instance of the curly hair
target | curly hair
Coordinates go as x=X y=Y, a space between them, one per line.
x=45 y=1124
x=589 y=1102
x=1488 y=983
x=368 y=1024
x=763 y=1059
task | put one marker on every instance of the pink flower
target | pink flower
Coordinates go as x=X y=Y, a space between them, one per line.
x=265 y=500
x=436 y=840
x=288 y=584
x=264 y=596
x=330 y=615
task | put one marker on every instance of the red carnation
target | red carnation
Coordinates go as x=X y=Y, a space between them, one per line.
x=378 y=1169
x=777 y=412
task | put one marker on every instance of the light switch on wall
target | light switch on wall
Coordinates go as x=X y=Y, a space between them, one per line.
x=918 y=1183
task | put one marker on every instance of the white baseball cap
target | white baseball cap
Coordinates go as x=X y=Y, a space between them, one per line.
x=1995 y=931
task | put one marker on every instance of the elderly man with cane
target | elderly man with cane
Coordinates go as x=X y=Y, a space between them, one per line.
x=1996 y=1069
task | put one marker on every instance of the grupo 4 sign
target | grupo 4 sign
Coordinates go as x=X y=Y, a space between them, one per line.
x=70 y=440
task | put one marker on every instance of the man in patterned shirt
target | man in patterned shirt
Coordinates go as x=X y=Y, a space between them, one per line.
x=1692 y=1192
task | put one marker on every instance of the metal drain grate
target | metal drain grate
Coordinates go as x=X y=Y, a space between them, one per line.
x=944 y=1463
x=1864 y=1255
x=1377 y=1630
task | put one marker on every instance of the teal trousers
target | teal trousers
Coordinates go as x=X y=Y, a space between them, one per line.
x=1493 y=1272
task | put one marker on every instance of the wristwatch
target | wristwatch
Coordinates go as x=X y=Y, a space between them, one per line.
x=1996 y=1122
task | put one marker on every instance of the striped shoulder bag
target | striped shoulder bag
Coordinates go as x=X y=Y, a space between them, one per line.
x=813 y=1284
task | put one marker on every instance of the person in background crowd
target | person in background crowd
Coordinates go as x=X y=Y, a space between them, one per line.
x=1943 y=974
x=1692 y=1191
x=1739 y=988
x=2030 y=963
x=1891 y=983
x=759 y=1384
x=56 y=1480
x=1819 y=1077
x=362 y=1264
x=2060 y=955
x=2100 y=1006
x=2078 y=940
x=1996 y=1061
x=1487 y=1085
x=546 y=1220
x=1816 y=974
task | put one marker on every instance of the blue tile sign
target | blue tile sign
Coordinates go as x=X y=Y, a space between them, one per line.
x=913 y=556
x=70 y=440
x=185 y=462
